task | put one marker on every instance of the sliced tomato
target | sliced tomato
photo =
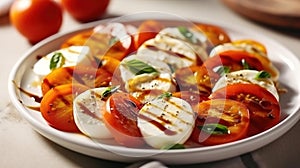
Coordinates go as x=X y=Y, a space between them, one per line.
x=78 y=39
x=234 y=60
x=121 y=119
x=193 y=98
x=114 y=39
x=89 y=76
x=147 y=30
x=215 y=34
x=196 y=78
x=220 y=121
x=259 y=47
x=57 y=106
x=110 y=64
x=264 y=107
x=238 y=60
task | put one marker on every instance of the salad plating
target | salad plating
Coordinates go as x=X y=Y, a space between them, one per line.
x=158 y=86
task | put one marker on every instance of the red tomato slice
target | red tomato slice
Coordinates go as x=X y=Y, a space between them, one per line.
x=84 y=75
x=263 y=106
x=214 y=33
x=114 y=40
x=196 y=78
x=193 y=98
x=220 y=121
x=237 y=60
x=233 y=60
x=121 y=119
x=147 y=30
x=57 y=106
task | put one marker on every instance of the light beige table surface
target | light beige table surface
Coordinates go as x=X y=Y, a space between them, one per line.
x=21 y=146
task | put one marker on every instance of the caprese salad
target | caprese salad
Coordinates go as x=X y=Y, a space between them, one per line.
x=159 y=86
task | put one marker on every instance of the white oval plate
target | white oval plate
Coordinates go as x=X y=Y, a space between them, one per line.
x=284 y=60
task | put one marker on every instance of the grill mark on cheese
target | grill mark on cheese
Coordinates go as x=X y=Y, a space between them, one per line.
x=163 y=120
x=87 y=111
x=158 y=125
x=175 y=54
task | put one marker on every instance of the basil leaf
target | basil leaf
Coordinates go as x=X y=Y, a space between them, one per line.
x=57 y=61
x=174 y=146
x=138 y=67
x=110 y=90
x=166 y=95
x=215 y=129
x=222 y=70
x=187 y=34
x=245 y=64
x=262 y=75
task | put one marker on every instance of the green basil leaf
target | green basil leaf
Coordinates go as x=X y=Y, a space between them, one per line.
x=110 y=90
x=187 y=34
x=222 y=70
x=262 y=75
x=174 y=146
x=138 y=67
x=215 y=129
x=166 y=95
x=57 y=61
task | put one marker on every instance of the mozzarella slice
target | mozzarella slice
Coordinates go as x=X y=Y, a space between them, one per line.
x=170 y=51
x=166 y=121
x=192 y=36
x=87 y=113
x=172 y=47
x=138 y=85
x=246 y=77
x=72 y=55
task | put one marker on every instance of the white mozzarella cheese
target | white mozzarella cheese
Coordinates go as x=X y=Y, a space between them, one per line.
x=173 y=48
x=191 y=35
x=87 y=113
x=139 y=84
x=193 y=38
x=72 y=55
x=170 y=51
x=166 y=121
x=246 y=77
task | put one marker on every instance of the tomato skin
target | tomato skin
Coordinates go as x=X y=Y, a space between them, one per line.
x=218 y=111
x=57 y=106
x=216 y=35
x=121 y=119
x=147 y=30
x=86 y=10
x=197 y=79
x=78 y=39
x=89 y=76
x=233 y=60
x=36 y=19
x=263 y=106
x=259 y=46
